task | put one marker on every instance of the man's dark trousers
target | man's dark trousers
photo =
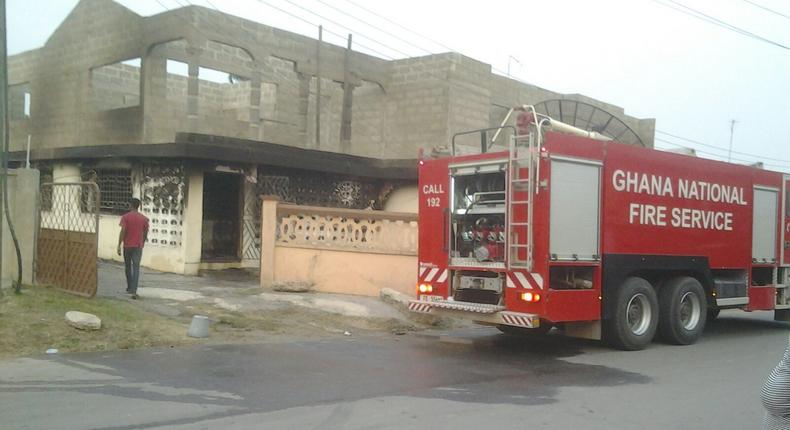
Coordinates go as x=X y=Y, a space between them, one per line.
x=131 y=260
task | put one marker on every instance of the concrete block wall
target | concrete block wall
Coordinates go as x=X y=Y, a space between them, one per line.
x=331 y=109
x=369 y=118
x=115 y=86
x=418 y=103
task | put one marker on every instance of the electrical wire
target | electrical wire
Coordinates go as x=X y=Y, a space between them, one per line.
x=767 y=9
x=443 y=46
x=707 y=145
x=385 y=56
x=395 y=36
x=680 y=7
x=720 y=157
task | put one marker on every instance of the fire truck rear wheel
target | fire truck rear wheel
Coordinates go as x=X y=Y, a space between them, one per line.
x=634 y=317
x=683 y=310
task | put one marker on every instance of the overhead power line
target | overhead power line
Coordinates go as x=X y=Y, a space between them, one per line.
x=721 y=157
x=719 y=148
x=385 y=56
x=394 y=36
x=346 y=28
x=265 y=3
x=440 y=44
x=767 y=9
x=680 y=7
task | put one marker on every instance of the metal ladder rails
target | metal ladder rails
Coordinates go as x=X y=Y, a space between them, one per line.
x=522 y=159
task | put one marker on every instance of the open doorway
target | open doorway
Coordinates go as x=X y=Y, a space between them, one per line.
x=221 y=217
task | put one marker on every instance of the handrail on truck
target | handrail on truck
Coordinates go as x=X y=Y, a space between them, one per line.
x=484 y=145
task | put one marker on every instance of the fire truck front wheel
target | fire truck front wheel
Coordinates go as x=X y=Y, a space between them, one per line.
x=634 y=317
x=683 y=310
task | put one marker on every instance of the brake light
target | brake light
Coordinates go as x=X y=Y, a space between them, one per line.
x=530 y=297
x=425 y=288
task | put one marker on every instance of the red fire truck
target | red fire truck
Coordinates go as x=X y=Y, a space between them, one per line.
x=561 y=227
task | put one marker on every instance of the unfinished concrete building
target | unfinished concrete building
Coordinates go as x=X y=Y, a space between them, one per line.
x=198 y=113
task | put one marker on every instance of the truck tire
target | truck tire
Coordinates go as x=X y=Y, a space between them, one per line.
x=712 y=314
x=682 y=310
x=635 y=316
x=543 y=329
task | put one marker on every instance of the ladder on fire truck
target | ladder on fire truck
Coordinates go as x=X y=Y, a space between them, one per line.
x=523 y=162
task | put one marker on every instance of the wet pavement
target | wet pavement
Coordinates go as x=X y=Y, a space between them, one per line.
x=463 y=379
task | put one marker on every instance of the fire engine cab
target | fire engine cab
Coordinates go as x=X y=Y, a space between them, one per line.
x=560 y=227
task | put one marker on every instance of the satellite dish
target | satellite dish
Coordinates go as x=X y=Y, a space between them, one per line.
x=590 y=118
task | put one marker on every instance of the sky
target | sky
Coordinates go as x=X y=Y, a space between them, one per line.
x=648 y=56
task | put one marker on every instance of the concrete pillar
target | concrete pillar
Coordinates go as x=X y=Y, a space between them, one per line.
x=268 y=238
x=153 y=82
x=304 y=101
x=348 y=96
x=193 y=222
x=23 y=187
x=193 y=87
x=255 y=103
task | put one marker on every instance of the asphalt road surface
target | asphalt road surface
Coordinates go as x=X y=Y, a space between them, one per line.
x=472 y=379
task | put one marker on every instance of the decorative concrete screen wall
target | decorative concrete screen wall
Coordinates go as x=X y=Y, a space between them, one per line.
x=338 y=250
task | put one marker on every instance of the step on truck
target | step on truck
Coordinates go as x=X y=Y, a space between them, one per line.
x=555 y=226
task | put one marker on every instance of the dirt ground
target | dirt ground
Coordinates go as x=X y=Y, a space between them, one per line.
x=238 y=308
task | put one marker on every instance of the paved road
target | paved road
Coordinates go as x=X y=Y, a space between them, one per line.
x=461 y=380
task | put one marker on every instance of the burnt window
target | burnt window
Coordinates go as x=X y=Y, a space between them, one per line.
x=19 y=101
x=115 y=187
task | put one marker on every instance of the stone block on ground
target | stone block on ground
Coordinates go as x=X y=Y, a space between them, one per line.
x=292 y=287
x=394 y=297
x=401 y=302
x=82 y=320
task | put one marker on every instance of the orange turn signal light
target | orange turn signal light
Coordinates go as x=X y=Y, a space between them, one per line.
x=530 y=297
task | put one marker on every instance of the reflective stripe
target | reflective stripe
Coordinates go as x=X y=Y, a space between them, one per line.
x=538 y=279
x=431 y=274
x=517 y=320
x=510 y=283
x=443 y=277
x=419 y=307
x=522 y=279
x=422 y=270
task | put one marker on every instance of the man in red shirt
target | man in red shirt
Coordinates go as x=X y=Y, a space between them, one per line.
x=134 y=234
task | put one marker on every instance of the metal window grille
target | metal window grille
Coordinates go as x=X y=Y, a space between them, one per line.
x=116 y=190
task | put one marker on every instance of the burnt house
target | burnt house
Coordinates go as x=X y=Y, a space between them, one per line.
x=198 y=113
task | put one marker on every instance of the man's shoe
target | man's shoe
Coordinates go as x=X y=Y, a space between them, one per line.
x=134 y=296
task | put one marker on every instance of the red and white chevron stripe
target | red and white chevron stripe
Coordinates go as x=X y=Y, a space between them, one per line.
x=432 y=274
x=524 y=280
x=517 y=320
x=419 y=307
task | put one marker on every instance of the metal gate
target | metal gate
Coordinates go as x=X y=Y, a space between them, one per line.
x=68 y=237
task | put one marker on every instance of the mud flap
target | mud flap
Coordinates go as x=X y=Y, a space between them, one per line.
x=782 y=315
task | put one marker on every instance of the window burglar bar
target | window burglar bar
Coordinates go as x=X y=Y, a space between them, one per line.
x=116 y=190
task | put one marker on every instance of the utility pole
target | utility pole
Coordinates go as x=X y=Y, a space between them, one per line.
x=732 y=131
